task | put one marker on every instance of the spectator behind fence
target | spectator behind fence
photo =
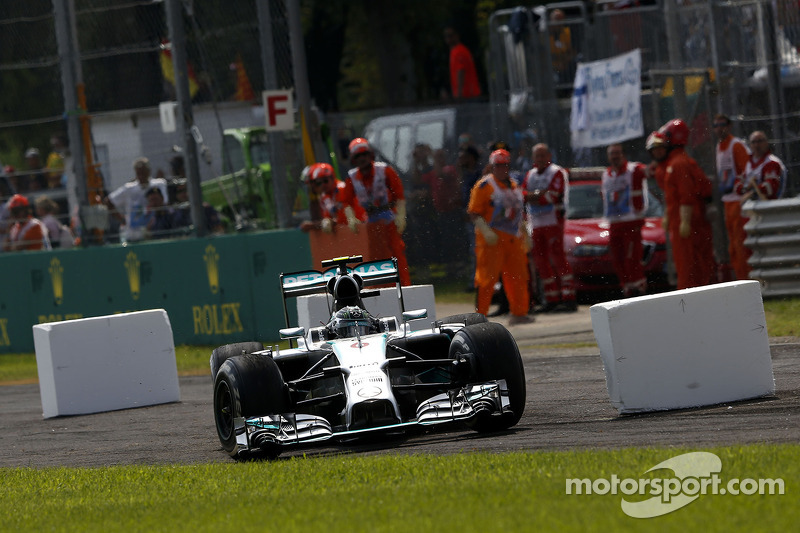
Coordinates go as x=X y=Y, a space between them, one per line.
x=468 y=157
x=55 y=161
x=181 y=212
x=463 y=76
x=420 y=207
x=31 y=179
x=158 y=217
x=128 y=202
x=561 y=52
x=447 y=235
x=60 y=234
x=26 y=232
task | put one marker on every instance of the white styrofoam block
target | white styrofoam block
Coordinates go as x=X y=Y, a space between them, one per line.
x=312 y=310
x=91 y=365
x=687 y=348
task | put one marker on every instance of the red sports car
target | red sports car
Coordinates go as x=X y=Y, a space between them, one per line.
x=586 y=241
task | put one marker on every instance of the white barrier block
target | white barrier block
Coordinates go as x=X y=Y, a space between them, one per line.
x=106 y=363
x=312 y=310
x=687 y=348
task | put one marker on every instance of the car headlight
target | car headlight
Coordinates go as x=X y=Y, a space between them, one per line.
x=589 y=250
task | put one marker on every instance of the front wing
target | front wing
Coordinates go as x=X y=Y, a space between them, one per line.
x=292 y=429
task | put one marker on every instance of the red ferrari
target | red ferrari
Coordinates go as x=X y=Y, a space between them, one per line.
x=586 y=241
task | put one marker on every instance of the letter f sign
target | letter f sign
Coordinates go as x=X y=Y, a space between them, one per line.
x=279 y=110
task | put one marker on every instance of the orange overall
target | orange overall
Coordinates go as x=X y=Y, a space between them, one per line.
x=507 y=256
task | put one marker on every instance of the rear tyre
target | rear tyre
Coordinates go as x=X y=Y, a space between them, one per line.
x=247 y=385
x=492 y=354
x=223 y=353
x=467 y=319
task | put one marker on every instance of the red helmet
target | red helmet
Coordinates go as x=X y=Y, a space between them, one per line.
x=359 y=145
x=321 y=170
x=18 y=201
x=500 y=157
x=676 y=132
x=654 y=140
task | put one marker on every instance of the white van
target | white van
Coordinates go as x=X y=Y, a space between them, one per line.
x=394 y=136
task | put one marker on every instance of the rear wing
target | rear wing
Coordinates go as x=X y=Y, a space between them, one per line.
x=372 y=273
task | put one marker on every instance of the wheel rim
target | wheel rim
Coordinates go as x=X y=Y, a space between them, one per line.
x=224 y=403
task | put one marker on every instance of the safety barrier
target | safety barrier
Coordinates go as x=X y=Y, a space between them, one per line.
x=773 y=235
x=216 y=290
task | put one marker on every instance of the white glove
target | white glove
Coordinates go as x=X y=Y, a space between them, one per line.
x=488 y=233
x=352 y=221
x=400 y=216
x=327 y=225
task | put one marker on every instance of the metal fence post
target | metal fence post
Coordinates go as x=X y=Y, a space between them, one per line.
x=186 y=117
x=70 y=77
x=276 y=144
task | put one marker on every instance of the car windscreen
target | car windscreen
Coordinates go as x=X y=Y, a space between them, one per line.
x=586 y=201
x=259 y=149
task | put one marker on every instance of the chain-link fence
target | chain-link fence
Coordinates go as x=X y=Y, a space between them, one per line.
x=736 y=57
x=125 y=67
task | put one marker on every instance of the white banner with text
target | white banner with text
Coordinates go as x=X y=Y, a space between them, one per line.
x=606 y=101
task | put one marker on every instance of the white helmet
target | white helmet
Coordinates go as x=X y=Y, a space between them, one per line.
x=352 y=321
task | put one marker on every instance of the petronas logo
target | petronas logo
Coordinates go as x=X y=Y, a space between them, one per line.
x=132 y=265
x=211 y=258
x=57 y=277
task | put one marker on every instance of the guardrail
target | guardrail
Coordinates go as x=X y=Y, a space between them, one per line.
x=773 y=235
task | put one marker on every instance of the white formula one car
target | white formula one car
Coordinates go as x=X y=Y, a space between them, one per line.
x=359 y=374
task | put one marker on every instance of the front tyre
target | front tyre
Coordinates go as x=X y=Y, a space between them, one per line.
x=467 y=319
x=492 y=354
x=223 y=353
x=245 y=386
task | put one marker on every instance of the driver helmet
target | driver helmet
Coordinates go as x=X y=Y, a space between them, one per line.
x=352 y=321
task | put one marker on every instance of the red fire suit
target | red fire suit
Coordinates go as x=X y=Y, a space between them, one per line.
x=686 y=192
x=546 y=217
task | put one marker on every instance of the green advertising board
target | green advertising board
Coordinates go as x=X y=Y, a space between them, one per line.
x=216 y=290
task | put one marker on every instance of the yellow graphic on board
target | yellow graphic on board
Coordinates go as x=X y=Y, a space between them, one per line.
x=211 y=258
x=4 y=338
x=57 y=277
x=132 y=265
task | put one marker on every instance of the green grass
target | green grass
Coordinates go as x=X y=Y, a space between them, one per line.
x=462 y=492
x=782 y=317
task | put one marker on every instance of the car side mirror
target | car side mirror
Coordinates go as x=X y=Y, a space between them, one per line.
x=291 y=333
x=416 y=314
